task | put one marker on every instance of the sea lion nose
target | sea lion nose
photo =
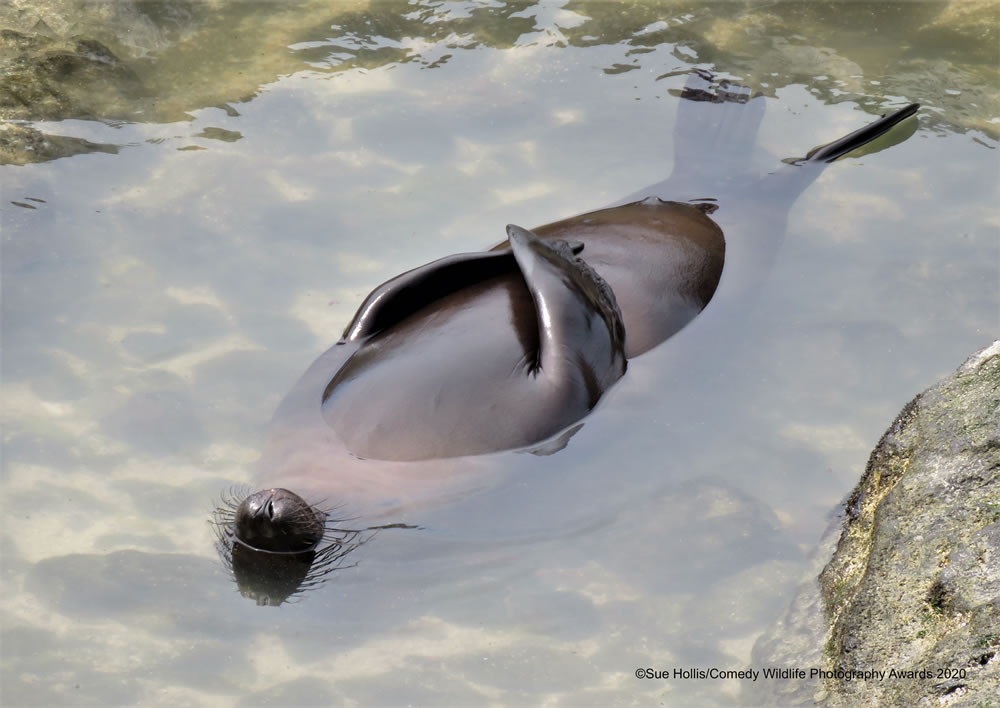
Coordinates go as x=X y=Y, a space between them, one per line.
x=264 y=507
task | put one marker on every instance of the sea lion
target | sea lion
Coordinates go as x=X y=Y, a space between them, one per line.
x=512 y=347
x=477 y=353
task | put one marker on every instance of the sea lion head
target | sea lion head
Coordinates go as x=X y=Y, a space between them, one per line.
x=277 y=545
x=278 y=520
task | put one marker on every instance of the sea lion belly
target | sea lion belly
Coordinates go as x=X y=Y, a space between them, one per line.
x=456 y=377
x=452 y=379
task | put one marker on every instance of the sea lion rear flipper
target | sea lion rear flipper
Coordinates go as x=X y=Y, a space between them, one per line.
x=862 y=136
x=400 y=297
x=716 y=128
x=580 y=331
x=715 y=135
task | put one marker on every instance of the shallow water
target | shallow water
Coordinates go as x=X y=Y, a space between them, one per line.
x=162 y=294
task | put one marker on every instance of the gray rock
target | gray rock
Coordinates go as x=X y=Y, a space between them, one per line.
x=913 y=588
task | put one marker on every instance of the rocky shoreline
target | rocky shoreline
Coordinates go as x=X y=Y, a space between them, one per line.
x=907 y=610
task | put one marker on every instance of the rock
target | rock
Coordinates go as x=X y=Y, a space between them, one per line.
x=21 y=144
x=44 y=78
x=131 y=28
x=913 y=588
x=54 y=79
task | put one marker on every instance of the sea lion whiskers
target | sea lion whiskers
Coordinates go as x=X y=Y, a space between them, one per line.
x=299 y=518
x=308 y=544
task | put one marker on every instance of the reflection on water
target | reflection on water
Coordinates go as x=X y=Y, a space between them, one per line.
x=257 y=168
x=159 y=61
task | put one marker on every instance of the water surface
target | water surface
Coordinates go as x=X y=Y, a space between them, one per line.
x=218 y=216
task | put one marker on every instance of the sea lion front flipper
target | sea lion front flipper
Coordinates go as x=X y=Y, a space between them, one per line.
x=400 y=297
x=581 y=337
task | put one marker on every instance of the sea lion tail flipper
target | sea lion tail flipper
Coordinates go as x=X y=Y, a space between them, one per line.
x=580 y=329
x=715 y=134
x=863 y=136
x=717 y=122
